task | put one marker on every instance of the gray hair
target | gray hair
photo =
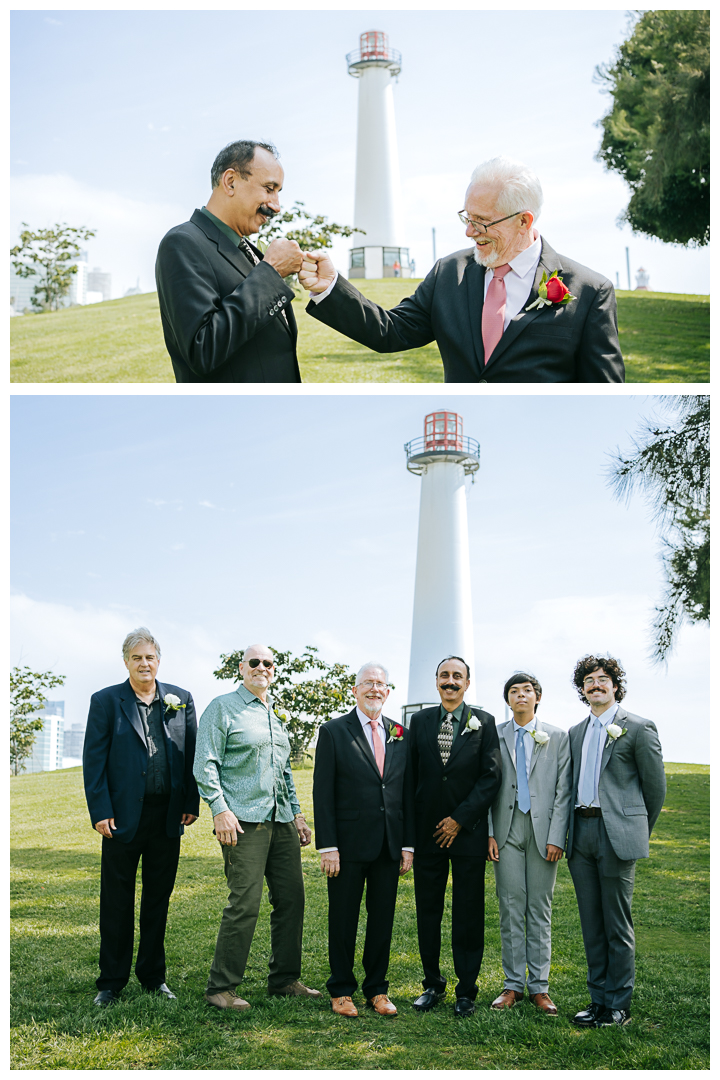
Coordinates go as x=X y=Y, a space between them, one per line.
x=519 y=186
x=135 y=637
x=375 y=664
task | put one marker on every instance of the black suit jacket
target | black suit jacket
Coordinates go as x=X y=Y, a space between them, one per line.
x=115 y=759
x=463 y=790
x=576 y=342
x=354 y=807
x=222 y=316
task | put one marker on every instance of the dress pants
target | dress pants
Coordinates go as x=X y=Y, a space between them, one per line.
x=604 y=888
x=269 y=850
x=468 y=917
x=524 y=883
x=380 y=880
x=118 y=869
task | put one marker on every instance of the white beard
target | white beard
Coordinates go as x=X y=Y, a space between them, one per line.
x=488 y=261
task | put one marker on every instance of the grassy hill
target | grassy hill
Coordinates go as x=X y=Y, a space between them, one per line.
x=55 y=875
x=665 y=337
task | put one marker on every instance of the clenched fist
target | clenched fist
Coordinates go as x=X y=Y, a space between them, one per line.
x=285 y=256
x=317 y=272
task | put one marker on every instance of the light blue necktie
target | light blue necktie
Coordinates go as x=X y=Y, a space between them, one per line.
x=521 y=769
x=587 y=790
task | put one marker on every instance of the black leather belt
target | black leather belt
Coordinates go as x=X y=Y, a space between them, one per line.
x=588 y=811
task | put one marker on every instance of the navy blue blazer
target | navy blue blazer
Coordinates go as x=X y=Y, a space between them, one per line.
x=115 y=759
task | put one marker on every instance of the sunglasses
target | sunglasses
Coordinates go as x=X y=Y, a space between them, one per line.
x=265 y=663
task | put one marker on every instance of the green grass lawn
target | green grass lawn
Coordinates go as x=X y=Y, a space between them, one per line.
x=55 y=941
x=665 y=337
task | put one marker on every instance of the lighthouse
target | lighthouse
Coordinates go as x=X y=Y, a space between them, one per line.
x=442 y=613
x=378 y=252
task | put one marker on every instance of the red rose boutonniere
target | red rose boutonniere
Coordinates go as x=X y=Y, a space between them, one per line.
x=396 y=733
x=551 y=291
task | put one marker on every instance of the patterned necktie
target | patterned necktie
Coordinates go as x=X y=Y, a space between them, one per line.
x=587 y=791
x=493 y=313
x=378 y=746
x=521 y=770
x=445 y=738
x=247 y=250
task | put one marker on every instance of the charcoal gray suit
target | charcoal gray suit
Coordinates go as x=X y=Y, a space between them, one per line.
x=602 y=850
x=524 y=879
x=576 y=342
x=224 y=319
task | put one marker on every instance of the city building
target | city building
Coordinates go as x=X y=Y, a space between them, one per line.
x=99 y=282
x=48 y=748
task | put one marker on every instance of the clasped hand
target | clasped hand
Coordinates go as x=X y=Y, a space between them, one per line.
x=314 y=268
x=446 y=831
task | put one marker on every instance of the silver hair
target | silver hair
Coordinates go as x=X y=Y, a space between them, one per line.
x=135 y=637
x=519 y=186
x=375 y=664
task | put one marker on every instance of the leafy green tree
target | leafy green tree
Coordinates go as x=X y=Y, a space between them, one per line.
x=49 y=254
x=27 y=696
x=309 y=230
x=305 y=689
x=657 y=133
x=671 y=466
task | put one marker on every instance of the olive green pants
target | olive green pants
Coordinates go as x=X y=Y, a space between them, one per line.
x=271 y=851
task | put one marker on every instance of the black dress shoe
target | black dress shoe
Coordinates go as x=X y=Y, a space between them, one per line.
x=464 y=1007
x=589 y=1017
x=428 y=1000
x=620 y=1017
x=163 y=989
x=106 y=997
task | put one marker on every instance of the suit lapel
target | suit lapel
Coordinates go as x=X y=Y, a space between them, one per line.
x=390 y=747
x=127 y=702
x=610 y=743
x=578 y=739
x=537 y=748
x=509 y=735
x=549 y=261
x=431 y=734
x=358 y=735
x=461 y=741
x=164 y=713
x=475 y=290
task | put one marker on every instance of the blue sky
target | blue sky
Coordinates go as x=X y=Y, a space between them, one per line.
x=142 y=101
x=292 y=519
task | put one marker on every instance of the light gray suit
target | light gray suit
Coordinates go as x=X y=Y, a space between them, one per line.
x=524 y=879
x=602 y=851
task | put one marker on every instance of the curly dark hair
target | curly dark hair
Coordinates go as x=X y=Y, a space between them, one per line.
x=522 y=677
x=609 y=665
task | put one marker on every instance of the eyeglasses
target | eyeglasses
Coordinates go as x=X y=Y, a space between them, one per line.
x=368 y=684
x=590 y=679
x=265 y=663
x=478 y=225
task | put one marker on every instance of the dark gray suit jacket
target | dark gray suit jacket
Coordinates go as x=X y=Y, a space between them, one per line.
x=577 y=342
x=222 y=316
x=632 y=784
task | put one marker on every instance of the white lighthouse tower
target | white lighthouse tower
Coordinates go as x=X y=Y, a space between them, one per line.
x=378 y=252
x=442 y=613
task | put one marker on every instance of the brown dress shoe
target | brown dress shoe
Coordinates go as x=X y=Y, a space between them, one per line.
x=295 y=989
x=343 y=1006
x=227 y=999
x=544 y=1003
x=382 y=1005
x=507 y=999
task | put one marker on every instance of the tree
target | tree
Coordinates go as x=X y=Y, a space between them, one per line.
x=49 y=254
x=305 y=702
x=27 y=696
x=671 y=466
x=318 y=232
x=657 y=133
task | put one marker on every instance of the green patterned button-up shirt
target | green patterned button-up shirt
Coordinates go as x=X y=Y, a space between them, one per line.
x=242 y=759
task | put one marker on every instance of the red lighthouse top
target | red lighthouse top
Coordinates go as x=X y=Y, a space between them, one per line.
x=374 y=45
x=443 y=431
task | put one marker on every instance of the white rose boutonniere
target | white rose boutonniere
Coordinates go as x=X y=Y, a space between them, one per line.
x=172 y=701
x=473 y=724
x=540 y=737
x=614 y=731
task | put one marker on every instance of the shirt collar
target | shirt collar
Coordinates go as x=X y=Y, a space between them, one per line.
x=148 y=704
x=532 y=726
x=248 y=697
x=456 y=713
x=230 y=233
x=364 y=718
x=527 y=260
x=608 y=716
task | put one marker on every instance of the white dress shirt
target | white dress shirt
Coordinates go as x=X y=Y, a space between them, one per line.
x=519 y=280
x=605 y=718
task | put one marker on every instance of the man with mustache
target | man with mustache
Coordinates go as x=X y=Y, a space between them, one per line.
x=492 y=310
x=225 y=308
x=455 y=773
x=617 y=795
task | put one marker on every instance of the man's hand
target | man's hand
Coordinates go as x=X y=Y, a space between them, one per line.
x=105 y=826
x=406 y=861
x=303 y=830
x=226 y=827
x=330 y=863
x=554 y=854
x=284 y=255
x=317 y=272
x=493 y=851
x=187 y=819
x=446 y=831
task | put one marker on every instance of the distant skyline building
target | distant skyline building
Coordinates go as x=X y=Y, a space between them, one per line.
x=48 y=748
x=98 y=281
x=378 y=252
x=442 y=611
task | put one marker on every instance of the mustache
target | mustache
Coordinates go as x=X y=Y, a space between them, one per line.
x=267 y=211
x=449 y=686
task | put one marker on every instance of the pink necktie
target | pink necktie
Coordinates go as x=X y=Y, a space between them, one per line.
x=378 y=746
x=493 y=315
